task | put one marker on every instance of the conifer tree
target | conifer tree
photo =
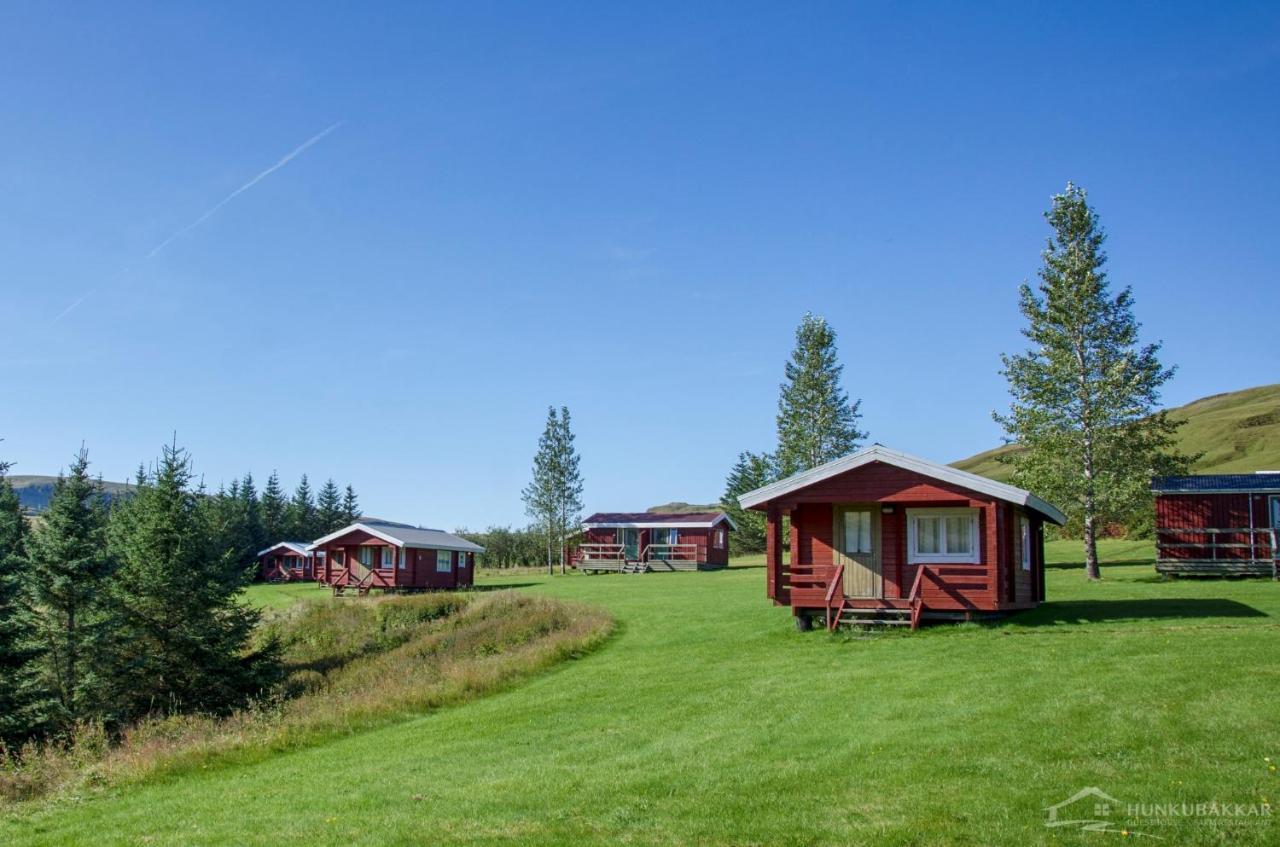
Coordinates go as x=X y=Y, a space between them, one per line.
x=751 y=471
x=1085 y=393
x=300 y=515
x=553 y=498
x=274 y=508
x=67 y=578
x=252 y=509
x=350 y=506
x=328 y=510
x=23 y=701
x=816 y=421
x=184 y=635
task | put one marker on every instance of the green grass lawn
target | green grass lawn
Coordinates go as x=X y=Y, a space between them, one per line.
x=708 y=719
x=282 y=595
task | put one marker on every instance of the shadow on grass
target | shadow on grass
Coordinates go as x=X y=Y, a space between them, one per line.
x=1095 y=611
x=1079 y=566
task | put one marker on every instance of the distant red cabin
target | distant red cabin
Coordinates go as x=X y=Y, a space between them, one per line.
x=883 y=537
x=286 y=561
x=382 y=554
x=1218 y=524
x=654 y=541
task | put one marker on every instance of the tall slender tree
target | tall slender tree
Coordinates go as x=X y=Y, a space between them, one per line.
x=350 y=506
x=816 y=420
x=184 y=633
x=252 y=509
x=67 y=578
x=300 y=515
x=1085 y=393
x=274 y=508
x=328 y=509
x=553 y=498
x=23 y=701
x=751 y=471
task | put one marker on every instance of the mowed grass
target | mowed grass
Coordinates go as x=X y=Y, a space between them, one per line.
x=708 y=719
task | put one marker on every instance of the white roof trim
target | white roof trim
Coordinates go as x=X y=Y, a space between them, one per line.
x=721 y=518
x=398 y=542
x=878 y=453
x=292 y=546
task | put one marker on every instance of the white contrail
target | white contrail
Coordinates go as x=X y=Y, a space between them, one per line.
x=289 y=157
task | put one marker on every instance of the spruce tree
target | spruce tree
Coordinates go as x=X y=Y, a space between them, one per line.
x=300 y=515
x=67 y=578
x=350 y=507
x=252 y=510
x=274 y=508
x=750 y=472
x=1085 y=393
x=184 y=635
x=816 y=421
x=553 y=498
x=328 y=509
x=23 y=701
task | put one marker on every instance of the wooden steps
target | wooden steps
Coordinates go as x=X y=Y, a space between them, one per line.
x=885 y=616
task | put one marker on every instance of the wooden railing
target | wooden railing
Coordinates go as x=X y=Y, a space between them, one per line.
x=670 y=553
x=916 y=598
x=601 y=552
x=835 y=589
x=1214 y=549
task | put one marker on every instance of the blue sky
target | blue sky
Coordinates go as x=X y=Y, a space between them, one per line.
x=625 y=208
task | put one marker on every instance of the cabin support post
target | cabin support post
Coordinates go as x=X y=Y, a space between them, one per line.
x=773 y=554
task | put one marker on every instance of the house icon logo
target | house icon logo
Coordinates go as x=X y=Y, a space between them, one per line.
x=1091 y=810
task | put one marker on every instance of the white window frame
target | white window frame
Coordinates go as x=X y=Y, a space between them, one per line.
x=388 y=558
x=366 y=555
x=973 y=557
x=448 y=561
x=402 y=559
x=718 y=537
x=462 y=560
x=1024 y=533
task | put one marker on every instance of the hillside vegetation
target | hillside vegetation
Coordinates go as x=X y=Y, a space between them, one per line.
x=350 y=665
x=709 y=720
x=1238 y=432
x=34 y=491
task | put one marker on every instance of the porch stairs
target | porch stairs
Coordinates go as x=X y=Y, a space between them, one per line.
x=851 y=616
x=635 y=566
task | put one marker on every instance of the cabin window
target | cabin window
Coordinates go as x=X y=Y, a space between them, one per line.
x=444 y=561
x=366 y=556
x=1024 y=528
x=718 y=538
x=857 y=532
x=462 y=560
x=941 y=535
x=401 y=559
x=665 y=536
x=388 y=557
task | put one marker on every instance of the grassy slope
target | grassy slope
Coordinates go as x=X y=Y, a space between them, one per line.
x=708 y=719
x=1238 y=432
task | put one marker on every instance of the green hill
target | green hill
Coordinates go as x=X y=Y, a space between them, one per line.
x=1238 y=432
x=34 y=491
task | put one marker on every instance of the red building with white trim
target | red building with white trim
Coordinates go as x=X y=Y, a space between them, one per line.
x=383 y=554
x=884 y=537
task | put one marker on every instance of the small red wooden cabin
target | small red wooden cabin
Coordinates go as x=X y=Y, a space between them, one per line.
x=382 y=554
x=1218 y=524
x=883 y=537
x=286 y=561
x=654 y=541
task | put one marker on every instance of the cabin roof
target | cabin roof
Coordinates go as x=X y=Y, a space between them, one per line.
x=880 y=453
x=1263 y=481
x=299 y=547
x=657 y=520
x=403 y=535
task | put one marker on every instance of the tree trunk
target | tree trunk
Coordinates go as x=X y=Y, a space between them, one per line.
x=1091 y=570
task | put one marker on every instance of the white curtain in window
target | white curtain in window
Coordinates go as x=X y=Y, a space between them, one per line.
x=960 y=535
x=928 y=536
x=857 y=532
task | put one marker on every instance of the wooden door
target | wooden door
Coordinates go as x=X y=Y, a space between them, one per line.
x=857 y=547
x=630 y=543
x=358 y=569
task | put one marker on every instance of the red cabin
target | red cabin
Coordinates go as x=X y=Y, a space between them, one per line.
x=883 y=537
x=1218 y=524
x=286 y=561
x=654 y=541
x=382 y=554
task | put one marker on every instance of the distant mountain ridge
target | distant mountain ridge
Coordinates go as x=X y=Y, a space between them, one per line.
x=1238 y=432
x=34 y=491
